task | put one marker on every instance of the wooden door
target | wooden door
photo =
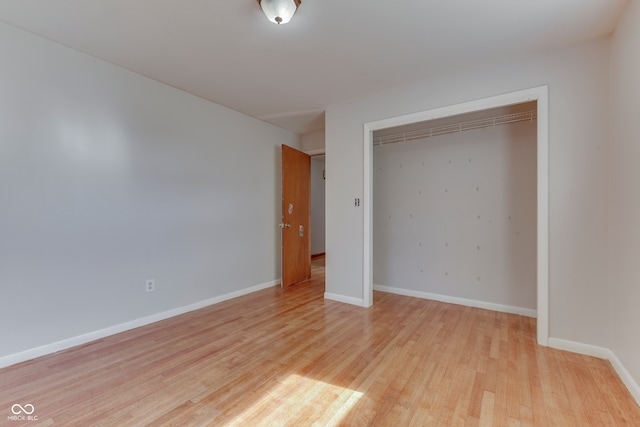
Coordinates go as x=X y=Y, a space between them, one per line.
x=296 y=216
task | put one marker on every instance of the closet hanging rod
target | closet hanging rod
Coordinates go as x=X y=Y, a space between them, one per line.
x=454 y=128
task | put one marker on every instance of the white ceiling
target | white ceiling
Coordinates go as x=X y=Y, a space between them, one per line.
x=331 y=53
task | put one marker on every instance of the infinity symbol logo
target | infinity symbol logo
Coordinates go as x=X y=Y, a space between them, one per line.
x=18 y=409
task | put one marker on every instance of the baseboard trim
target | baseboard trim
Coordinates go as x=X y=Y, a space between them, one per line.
x=601 y=353
x=460 y=301
x=65 y=344
x=345 y=299
x=626 y=377
x=580 y=348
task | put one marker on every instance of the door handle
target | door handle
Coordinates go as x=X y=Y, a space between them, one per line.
x=284 y=225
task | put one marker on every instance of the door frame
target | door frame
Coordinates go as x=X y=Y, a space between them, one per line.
x=316 y=152
x=539 y=94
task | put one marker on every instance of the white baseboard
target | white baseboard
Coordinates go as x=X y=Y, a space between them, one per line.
x=626 y=377
x=460 y=301
x=342 y=298
x=580 y=348
x=602 y=353
x=54 y=347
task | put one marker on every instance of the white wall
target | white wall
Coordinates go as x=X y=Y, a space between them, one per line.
x=312 y=142
x=625 y=193
x=455 y=215
x=317 y=205
x=578 y=79
x=108 y=178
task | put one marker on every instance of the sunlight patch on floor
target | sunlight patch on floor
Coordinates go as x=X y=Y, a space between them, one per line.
x=299 y=400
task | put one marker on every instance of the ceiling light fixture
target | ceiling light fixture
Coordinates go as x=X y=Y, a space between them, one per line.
x=279 y=11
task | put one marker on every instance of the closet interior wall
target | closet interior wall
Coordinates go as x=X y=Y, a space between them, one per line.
x=455 y=215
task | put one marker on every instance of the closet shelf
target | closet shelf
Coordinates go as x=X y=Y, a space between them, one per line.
x=454 y=128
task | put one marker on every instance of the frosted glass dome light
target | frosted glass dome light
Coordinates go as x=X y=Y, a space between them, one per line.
x=279 y=11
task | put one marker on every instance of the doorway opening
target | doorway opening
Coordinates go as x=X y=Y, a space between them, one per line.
x=540 y=95
x=317 y=205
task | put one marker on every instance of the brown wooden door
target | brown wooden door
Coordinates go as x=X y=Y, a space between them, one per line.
x=296 y=214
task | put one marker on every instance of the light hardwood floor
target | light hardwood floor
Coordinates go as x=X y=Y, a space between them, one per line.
x=287 y=357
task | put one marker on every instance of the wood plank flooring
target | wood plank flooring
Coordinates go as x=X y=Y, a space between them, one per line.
x=287 y=357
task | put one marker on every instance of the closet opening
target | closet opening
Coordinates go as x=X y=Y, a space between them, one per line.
x=456 y=205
